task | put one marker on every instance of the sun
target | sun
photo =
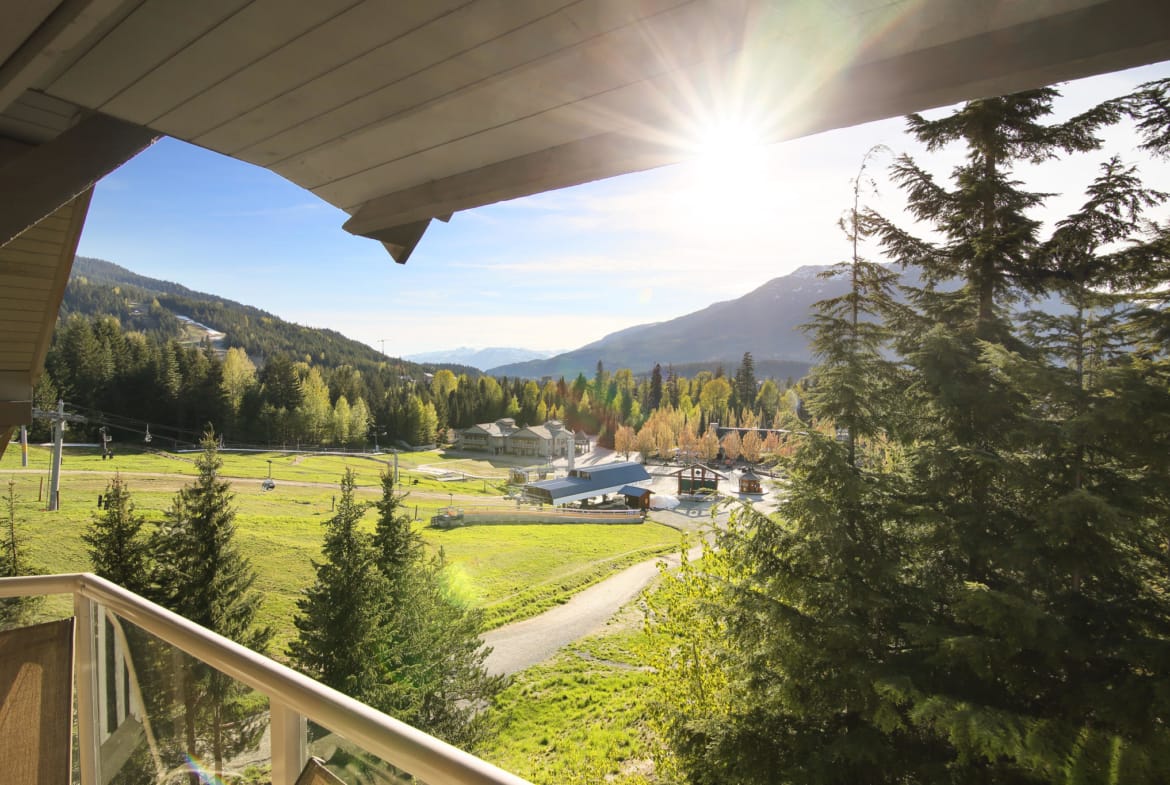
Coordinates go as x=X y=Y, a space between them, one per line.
x=728 y=142
x=728 y=172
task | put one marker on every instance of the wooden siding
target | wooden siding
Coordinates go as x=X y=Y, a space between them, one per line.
x=34 y=269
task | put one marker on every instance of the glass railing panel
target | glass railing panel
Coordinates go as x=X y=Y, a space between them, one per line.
x=166 y=718
x=18 y=612
x=352 y=764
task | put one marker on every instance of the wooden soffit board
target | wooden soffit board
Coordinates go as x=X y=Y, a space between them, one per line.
x=402 y=111
x=34 y=269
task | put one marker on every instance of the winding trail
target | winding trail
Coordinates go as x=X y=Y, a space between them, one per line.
x=525 y=643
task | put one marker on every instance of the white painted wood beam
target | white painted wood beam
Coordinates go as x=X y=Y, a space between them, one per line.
x=37 y=182
x=65 y=28
x=569 y=164
x=1106 y=36
x=15 y=399
x=75 y=211
x=15 y=386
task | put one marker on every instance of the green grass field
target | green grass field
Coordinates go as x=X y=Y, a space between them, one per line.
x=581 y=717
x=512 y=572
x=417 y=470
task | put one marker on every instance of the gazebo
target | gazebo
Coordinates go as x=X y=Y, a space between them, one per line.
x=749 y=482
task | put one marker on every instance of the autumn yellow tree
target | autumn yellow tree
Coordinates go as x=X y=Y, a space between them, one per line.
x=709 y=446
x=688 y=444
x=751 y=446
x=731 y=445
x=623 y=440
x=646 y=442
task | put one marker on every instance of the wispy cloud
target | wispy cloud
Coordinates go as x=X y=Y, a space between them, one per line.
x=404 y=335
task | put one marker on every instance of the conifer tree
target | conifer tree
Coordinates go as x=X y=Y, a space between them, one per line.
x=744 y=387
x=397 y=545
x=432 y=659
x=14 y=611
x=201 y=574
x=812 y=614
x=341 y=615
x=1020 y=646
x=1088 y=574
x=654 y=394
x=118 y=549
x=1149 y=106
x=970 y=583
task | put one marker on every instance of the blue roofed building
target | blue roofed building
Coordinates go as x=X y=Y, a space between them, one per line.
x=587 y=483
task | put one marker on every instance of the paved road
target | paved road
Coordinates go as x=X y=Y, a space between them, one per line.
x=525 y=643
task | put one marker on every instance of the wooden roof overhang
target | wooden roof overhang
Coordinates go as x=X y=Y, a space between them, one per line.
x=399 y=112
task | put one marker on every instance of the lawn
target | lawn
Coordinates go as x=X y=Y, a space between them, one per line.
x=511 y=571
x=518 y=571
x=418 y=470
x=581 y=717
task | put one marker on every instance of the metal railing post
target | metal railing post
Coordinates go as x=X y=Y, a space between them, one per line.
x=289 y=732
x=86 y=681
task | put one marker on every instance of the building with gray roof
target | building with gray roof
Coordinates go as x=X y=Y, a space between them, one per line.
x=587 y=483
x=550 y=440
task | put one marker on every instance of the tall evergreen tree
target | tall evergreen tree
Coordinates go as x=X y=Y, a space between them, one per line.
x=971 y=585
x=744 y=386
x=1011 y=643
x=433 y=672
x=201 y=574
x=341 y=615
x=397 y=545
x=987 y=234
x=813 y=613
x=118 y=548
x=1089 y=574
x=671 y=391
x=654 y=394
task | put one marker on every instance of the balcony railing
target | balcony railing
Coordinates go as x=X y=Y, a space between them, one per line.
x=120 y=723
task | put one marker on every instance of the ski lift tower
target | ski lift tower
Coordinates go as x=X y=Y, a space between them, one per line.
x=58 y=418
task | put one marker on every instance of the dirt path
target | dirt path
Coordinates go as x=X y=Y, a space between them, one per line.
x=525 y=643
x=464 y=500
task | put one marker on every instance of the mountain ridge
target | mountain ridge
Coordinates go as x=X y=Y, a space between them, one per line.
x=766 y=322
x=480 y=358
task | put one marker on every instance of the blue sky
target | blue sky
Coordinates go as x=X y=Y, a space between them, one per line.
x=552 y=271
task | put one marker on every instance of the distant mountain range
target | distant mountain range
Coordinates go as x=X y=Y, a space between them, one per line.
x=480 y=358
x=764 y=322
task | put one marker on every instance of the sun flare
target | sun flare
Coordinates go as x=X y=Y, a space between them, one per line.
x=728 y=141
x=728 y=172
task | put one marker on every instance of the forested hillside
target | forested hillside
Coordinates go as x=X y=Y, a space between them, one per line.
x=100 y=288
x=138 y=382
x=122 y=355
